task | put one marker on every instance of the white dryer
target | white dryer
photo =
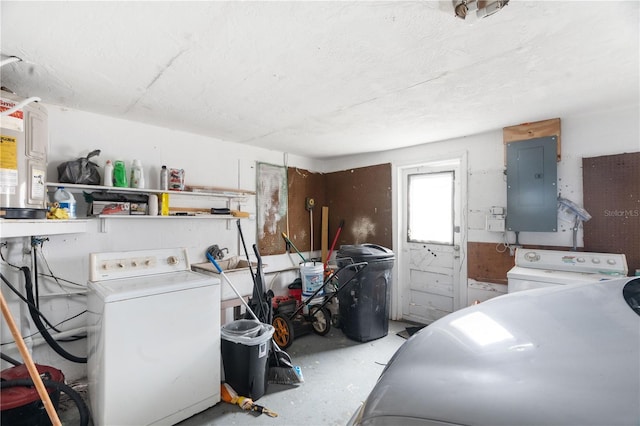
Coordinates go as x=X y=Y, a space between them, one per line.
x=154 y=338
x=535 y=268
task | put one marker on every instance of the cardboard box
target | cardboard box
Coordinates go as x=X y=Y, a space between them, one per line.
x=110 y=207
x=138 y=208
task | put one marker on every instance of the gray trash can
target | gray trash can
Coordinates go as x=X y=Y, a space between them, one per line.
x=245 y=347
x=364 y=302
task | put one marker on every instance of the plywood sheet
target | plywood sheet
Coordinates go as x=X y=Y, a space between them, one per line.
x=612 y=197
x=271 y=209
x=304 y=184
x=535 y=130
x=362 y=198
x=488 y=262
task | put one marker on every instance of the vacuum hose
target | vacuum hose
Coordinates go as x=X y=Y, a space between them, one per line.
x=38 y=322
x=52 y=384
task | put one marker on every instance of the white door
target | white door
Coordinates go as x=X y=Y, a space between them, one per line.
x=433 y=275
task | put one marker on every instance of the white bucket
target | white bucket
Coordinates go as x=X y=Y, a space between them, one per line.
x=312 y=275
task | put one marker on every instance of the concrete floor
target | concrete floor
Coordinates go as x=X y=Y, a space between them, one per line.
x=338 y=374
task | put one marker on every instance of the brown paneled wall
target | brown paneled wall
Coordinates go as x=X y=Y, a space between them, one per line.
x=361 y=197
x=612 y=197
x=489 y=262
x=304 y=184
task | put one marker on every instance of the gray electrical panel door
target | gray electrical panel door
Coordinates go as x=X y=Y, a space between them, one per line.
x=531 y=185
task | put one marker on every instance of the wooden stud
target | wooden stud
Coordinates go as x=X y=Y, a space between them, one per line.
x=325 y=234
x=526 y=131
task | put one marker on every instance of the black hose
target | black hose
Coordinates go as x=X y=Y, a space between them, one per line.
x=9 y=359
x=75 y=396
x=35 y=274
x=40 y=326
x=24 y=299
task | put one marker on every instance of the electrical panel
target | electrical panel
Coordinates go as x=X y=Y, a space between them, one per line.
x=531 y=185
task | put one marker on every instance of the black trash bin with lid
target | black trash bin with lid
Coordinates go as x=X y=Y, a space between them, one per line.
x=364 y=302
x=245 y=347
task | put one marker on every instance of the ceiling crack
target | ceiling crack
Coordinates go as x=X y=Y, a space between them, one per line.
x=156 y=78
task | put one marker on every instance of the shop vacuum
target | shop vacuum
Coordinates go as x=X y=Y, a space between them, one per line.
x=20 y=404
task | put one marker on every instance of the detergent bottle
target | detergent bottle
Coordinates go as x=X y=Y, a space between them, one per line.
x=137 y=175
x=120 y=175
x=66 y=201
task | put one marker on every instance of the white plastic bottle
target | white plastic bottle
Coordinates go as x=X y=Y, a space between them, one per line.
x=137 y=175
x=153 y=205
x=107 y=179
x=66 y=201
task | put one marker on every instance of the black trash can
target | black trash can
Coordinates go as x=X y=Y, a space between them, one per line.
x=245 y=347
x=364 y=302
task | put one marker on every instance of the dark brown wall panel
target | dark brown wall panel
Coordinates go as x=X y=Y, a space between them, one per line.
x=487 y=264
x=304 y=184
x=612 y=197
x=362 y=198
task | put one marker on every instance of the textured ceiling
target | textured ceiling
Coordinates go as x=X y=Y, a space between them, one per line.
x=323 y=79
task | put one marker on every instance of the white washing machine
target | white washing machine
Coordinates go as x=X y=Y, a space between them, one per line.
x=536 y=268
x=154 y=338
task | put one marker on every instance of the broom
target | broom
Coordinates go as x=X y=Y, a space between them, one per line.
x=283 y=372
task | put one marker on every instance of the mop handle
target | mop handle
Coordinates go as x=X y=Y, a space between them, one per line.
x=333 y=245
x=244 y=302
x=286 y=238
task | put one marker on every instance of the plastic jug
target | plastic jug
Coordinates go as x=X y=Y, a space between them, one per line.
x=120 y=175
x=66 y=201
x=107 y=179
x=137 y=175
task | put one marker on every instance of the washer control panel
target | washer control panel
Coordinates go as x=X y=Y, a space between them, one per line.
x=113 y=265
x=572 y=261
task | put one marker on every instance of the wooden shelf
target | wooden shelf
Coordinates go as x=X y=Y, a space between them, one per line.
x=11 y=228
x=142 y=216
x=228 y=194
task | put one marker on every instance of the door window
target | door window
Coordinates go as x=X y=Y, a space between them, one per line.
x=430 y=207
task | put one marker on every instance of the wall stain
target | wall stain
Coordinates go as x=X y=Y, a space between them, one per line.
x=362 y=229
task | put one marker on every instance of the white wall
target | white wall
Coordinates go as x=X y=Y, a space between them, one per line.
x=206 y=161
x=214 y=162
x=609 y=132
x=614 y=131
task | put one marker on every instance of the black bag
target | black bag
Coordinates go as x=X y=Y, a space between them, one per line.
x=80 y=171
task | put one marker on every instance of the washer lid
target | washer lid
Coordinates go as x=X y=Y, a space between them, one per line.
x=556 y=277
x=132 y=288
